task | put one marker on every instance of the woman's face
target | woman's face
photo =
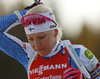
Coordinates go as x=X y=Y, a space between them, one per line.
x=43 y=42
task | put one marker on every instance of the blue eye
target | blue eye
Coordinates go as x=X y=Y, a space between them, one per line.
x=31 y=39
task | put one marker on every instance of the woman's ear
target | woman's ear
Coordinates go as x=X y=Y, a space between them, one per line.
x=56 y=32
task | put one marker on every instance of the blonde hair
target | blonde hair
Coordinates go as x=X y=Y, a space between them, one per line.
x=43 y=9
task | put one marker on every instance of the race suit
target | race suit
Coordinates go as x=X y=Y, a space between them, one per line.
x=37 y=67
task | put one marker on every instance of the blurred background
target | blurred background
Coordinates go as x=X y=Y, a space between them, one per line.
x=80 y=21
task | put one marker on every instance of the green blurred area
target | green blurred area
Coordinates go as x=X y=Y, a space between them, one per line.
x=11 y=69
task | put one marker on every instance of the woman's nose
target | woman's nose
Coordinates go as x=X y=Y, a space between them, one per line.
x=37 y=43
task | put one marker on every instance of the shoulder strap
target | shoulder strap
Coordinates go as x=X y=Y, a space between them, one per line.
x=75 y=57
x=30 y=62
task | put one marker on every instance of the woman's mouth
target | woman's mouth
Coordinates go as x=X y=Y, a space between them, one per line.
x=41 y=49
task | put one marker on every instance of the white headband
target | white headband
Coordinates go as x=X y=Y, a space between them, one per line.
x=49 y=25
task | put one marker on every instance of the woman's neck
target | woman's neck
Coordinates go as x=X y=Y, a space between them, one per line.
x=55 y=50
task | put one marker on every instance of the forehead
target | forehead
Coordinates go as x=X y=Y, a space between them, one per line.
x=41 y=33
